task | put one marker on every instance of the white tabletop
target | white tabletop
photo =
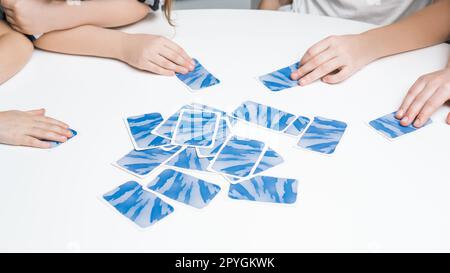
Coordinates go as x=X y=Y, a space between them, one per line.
x=372 y=194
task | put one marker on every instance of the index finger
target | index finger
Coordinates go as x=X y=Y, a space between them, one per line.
x=173 y=46
x=315 y=49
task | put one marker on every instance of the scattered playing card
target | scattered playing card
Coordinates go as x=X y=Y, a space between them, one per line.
x=199 y=78
x=280 y=79
x=142 y=207
x=323 y=135
x=269 y=160
x=141 y=163
x=166 y=128
x=238 y=157
x=264 y=116
x=188 y=159
x=184 y=188
x=140 y=128
x=298 y=126
x=390 y=126
x=196 y=128
x=222 y=134
x=54 y=144
x=265 y=189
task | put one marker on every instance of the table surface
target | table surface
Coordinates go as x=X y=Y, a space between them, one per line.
x=371 y=195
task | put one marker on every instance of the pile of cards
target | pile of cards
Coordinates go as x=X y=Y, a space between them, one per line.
x=195 y=138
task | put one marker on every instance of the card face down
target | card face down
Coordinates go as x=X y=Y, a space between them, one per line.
x=269 y=160
x=390 y=126
x=142 y=207
x=238 y=157
x=281 y=79
x=141 y=163
x=140 y=128
x=184 y=188
x=265 y=189
x=188 y=159
x=196 y=128
x=54 y=144
x=298 y=126
x=263 y=115
x=166 y=128
x=199 y=78
x=223 y=132
x=323 y=135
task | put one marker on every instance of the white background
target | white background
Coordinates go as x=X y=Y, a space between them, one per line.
x=372 y=194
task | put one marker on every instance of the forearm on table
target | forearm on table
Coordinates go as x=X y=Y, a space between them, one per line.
x=15 y=51
x=84 y=40
x=273 y=4
x=424 y=28
x=103 y=13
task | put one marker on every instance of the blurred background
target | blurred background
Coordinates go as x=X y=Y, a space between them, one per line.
x=215 y=4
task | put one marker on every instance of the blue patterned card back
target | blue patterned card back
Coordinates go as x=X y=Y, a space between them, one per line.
x=298 y=126
x=54 y=144
x=141 y=163
x=196 y=128
x=184 y=188
x=140 y=128
x=188 y=159
x=222 y=134
x=166 y=128
x=199 y=78
x=262 y=115
x=238 y=157
x=265 y=189
x=390 y=126
x=280 y=79
x=323 y=135
x=269 y=160
x=142 y=207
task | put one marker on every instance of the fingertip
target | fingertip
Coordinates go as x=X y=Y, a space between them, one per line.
x=399 y=114
x=404 y=121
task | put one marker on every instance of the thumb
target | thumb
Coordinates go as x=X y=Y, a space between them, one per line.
x=37 y=112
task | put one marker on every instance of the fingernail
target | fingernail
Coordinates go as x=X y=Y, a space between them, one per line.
x=404 y=120
x=417 y=123
x=184 y=71
x=302 y=82
x=399 y=113
x=294 y=76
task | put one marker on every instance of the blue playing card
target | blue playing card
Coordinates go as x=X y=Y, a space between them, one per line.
x=390 y=126
x=265 y=189
x=188 y=159
x=196 y=128
x=140 y=128
x=206 y=108
x=262 y=115
x=141 y=163
x=222 y=134
x=238 y=157
x=199 y=78
x=269 y=160
x=184 y=188
x=54 y=144
x=166 y=128
x=323 y=135
x=142 y=207
x=298 y=126
x=280 y=79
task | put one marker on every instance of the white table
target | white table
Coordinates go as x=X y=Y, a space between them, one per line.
x=372 y=194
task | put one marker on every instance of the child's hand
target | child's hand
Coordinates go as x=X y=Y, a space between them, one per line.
x=29 y=16
x=427 y=94
x=334 y=59
x=31 y=128
x=155 y=54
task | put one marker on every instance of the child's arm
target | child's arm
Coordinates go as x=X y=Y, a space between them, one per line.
x=336 y=58
x=273 y=4
x=147 y=52
x=15 y=51
x=427 y=94
x=42 y=16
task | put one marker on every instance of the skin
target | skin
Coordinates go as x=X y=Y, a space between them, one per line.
x=336 y=58
x=27 y=128
x=26 y=15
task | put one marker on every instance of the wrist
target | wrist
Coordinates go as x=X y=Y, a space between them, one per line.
x=122 y=46
x=372 y=49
